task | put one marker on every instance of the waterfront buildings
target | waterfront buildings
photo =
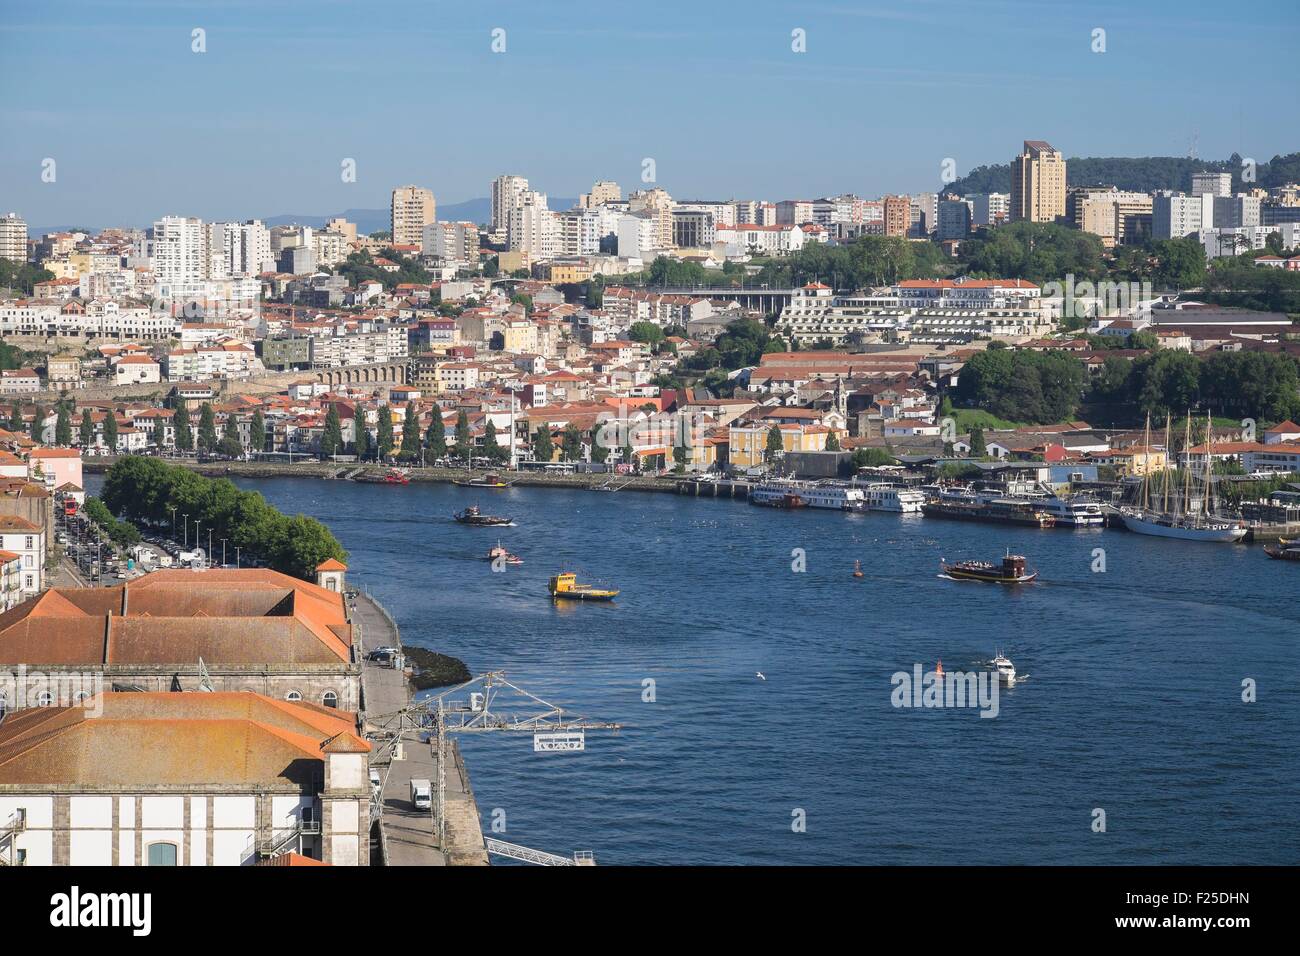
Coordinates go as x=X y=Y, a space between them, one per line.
x=193 y=779
x=1037 y=183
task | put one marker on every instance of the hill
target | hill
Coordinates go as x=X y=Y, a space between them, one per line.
x=1145 y=174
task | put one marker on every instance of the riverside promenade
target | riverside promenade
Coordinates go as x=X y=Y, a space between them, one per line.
x=408 y=837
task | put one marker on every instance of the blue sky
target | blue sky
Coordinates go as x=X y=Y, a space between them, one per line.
x=258 y=125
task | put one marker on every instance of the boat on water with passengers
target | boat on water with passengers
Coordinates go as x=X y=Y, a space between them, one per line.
x=565 y=587
x=1191 y=515
x=1010 y=571
x=504 y=556
x=1074 y=512
x=473 y=516
x=1284 y=550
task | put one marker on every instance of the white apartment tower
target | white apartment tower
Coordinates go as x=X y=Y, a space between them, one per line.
x=413 y=208
x=13 y=238
x=1213 y=184
x=533 y=228
x=507 y=193
x=180 y=250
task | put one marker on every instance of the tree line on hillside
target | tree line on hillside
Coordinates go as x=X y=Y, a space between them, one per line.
x=1141 y=174
x=150 y=491
x=1048 y=387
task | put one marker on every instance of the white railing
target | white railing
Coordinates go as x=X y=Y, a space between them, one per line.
x=527 y=855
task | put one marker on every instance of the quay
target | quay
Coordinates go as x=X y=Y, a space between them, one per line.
x=407 y=836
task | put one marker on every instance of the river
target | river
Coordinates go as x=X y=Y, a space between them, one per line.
x=1132 y=703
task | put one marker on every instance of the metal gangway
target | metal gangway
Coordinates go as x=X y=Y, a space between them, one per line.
x=9 y=831
x=525 y=854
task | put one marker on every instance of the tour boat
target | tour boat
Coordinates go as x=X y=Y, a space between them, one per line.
x=777 y=494
x=886 y=497
x=834 y=497
x=1006 y=670
x=473 y=516
x=998 y=510
x=1074 y=512
x=1284 y=550
x=491 y=480
x=501 y=554
x=1011 y=571
x=565 y=587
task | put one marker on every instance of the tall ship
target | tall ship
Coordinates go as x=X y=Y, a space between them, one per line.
x=1190 y=514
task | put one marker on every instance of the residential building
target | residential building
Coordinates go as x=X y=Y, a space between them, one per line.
x=413 y=208
x=507 y=192
x=1174 y=215
x=13 y=237
x=898 y=215
x=1211 y=184
x=1038 y=183
x=26 y=539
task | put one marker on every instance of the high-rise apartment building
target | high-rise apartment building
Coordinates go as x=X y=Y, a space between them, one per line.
x=1113 y=214
x=507 y=192
x=1038 y=183
x=413 y=209
x=898 y=215
x=533 y=228
x=180 y=251
x=1174 y=215
x=602 y=192
x=13 y=238
x=1213 y=184
x=989 y=209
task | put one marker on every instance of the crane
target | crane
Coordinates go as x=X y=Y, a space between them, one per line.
x=461 y=709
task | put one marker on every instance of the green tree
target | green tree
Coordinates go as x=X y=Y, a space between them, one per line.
x=384 y=432
x=832 y=441
x=775 y=445
x=38 y=424
x=257 y=432
x=110 y=432
x=411 y=432
x=361 y=444
x=435 y=438
x=646 y=332
x=207 y=428
x=63 y=428
x=159 y=436
x=571 y=445
x=87 y=429
x=230 y=445
x=331 y=438
x=184 y=431
x=628 y=455
x=16 y=418
x=872 y=458
x=543 y=447
x=464 y=447
x=491 y=447
x=978 y=447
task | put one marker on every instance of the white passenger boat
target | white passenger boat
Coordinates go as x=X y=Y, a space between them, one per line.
x=895 y=498
x=834 y=497
x=1074 y=512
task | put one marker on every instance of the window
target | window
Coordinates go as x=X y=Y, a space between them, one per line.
x=29 y=542
x=330 y=699
x=293 y=695
x=44 y=699
x=162 y=854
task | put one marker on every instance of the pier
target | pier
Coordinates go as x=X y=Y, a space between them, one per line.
x=407 y=836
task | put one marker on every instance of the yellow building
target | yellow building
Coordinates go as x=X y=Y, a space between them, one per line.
x=519 y=336
x=748 y=443
x=560 y=272
x=1137 y=461
x=1038 y=183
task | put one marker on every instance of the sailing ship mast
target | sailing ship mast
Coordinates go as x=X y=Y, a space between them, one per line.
x=1164 y=476
x=1187 y=467
x=1146 y=466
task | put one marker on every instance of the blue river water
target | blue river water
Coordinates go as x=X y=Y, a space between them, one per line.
x=1132 y=703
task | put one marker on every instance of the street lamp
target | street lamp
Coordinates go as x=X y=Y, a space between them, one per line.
x=185 y=532
x=173 y=511
x=223 y=552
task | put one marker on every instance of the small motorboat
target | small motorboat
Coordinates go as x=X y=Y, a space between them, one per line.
x=1006 y=670
x=565 y=587
x=1011 y=571
x=473 y=516
x=490 y=480
x=505 y=557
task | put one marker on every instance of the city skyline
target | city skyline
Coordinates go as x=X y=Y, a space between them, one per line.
x=232 y=142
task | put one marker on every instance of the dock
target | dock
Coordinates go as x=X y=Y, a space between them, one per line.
x=407 y=836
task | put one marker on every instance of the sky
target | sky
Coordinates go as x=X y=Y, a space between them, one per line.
x=139 y=125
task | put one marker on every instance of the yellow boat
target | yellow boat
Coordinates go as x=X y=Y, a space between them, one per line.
x=566 y=587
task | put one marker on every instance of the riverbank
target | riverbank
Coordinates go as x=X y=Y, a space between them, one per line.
x=311 y=468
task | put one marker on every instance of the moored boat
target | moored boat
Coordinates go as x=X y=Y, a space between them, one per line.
x=473 y=516
x=998 y=511
x=1284 y=550
x=490 y=480
x=393 y=476
x=565 y=587
x=777 y=494
x=1011 y=570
